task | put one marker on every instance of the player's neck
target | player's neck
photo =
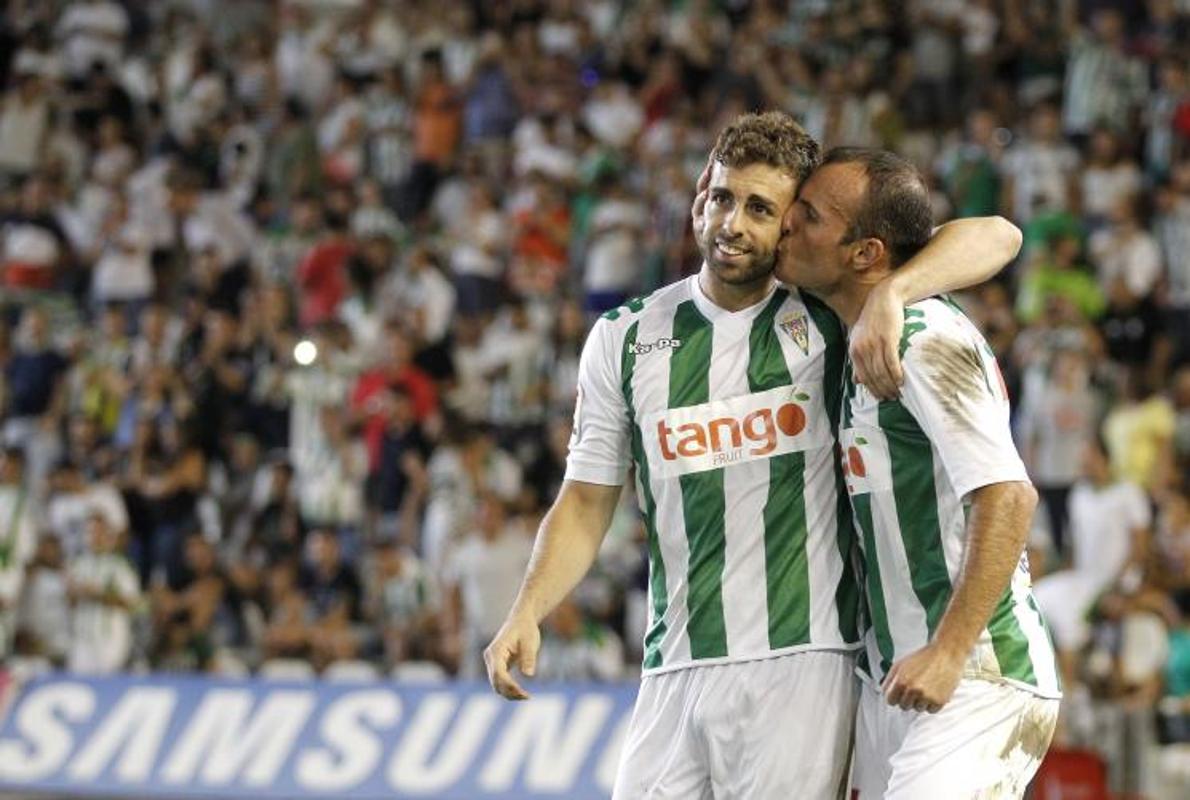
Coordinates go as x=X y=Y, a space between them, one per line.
x=733 y=297
x=846 y=301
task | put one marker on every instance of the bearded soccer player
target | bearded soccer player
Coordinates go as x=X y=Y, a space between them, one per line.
x=961 y=696
x=722 y=390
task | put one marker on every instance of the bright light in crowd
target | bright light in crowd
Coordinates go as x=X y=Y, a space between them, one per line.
x=304 y=352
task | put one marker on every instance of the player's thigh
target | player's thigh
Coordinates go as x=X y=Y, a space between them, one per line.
x=661 y=756
x=782 y=727
x=987 y=742
x=879 y=731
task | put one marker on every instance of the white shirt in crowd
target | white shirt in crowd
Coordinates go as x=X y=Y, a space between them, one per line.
x=1105 y=187
x=1135 y=258
x=23 y=125
x=613 y=257
x=1102 y=523
x=92 y=32
x=68 y=514
x=1041 y=173
x=488 y=574
x=124 y=270
x=102 y=640
x=18 y=540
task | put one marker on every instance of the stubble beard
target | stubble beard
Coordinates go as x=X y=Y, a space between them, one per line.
x=758 y=268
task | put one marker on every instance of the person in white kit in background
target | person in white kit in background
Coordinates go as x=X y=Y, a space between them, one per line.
x=1108 y=518
x=104 y=590
x=753 y=607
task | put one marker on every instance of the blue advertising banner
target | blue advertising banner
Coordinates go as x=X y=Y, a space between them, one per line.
x=154 y=736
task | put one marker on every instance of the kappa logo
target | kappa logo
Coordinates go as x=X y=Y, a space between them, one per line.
x=664 y=343
x=798 y=328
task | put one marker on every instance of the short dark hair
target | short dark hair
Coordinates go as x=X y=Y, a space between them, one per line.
x=896 y=205
x=773 y=138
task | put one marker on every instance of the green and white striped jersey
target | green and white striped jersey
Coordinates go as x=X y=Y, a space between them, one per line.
x=910 y=464
x=730 y=420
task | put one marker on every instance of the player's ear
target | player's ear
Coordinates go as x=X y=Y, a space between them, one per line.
x=867 y=252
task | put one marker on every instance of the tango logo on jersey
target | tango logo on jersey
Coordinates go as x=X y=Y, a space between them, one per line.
x=798 y=329
x=726 y=432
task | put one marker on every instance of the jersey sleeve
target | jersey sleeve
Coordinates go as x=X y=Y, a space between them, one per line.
x=599 y=441
x=953 y=388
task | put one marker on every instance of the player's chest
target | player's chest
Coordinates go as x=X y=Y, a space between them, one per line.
x=718 y=398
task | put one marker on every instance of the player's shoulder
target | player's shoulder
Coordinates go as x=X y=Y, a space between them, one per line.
x=935 y=322
x=941 y=345
x=663 y=300
x=613 y=328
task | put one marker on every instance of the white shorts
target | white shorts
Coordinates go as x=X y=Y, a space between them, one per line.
x=779 y=727
x=987 y=742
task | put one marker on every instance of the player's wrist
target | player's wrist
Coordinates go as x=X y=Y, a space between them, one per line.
x=951 y=649
x=894 y=287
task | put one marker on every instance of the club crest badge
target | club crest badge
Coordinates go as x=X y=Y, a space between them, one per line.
x=798 y=329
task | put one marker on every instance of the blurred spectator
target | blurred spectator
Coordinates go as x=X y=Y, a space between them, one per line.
x=1133 y=329
x=465 y=467
x=335 y=600
x=613 y=267
x=185 y=610
x=1168 y=118
x=1057 y=271
x=73 y=500
x=35 y=393
x=1104 y=84
x=372 y=397
x=422 y=296
x=970 y=167
x=36 y=251
x=1058 y=417
x=24 y=123
x=1139 y=432
x=476 y=259
x=1109 y=177
x=437 y=125
x=18 y=540
x=398 y=480
x=483 y=578
x=575 y=647
x=1126 y=250
x=43 y=621
x=1107 y=518
x=407 y=605
x=1172 y=228
x=92 y=31
x=103 y=590
x=1041 y=170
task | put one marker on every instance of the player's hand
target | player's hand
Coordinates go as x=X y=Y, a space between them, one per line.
x=517 y=643
x=925 y=679
x=875 y=342
x=697 y=220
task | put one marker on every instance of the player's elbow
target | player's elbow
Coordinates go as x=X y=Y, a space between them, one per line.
x=1020 y=496
x=1012 y=501
x=1007 y=236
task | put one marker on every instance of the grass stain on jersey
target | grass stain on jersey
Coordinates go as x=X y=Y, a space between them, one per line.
x=955 y=374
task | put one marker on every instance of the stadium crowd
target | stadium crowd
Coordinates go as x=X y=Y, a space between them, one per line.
x=294 y=292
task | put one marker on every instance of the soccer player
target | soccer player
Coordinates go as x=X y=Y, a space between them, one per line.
x=722 y=390
x=962 y=695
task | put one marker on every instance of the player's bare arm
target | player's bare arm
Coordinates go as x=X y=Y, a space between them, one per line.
x=998 y=526
x=962 y=253
x=566 y=546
